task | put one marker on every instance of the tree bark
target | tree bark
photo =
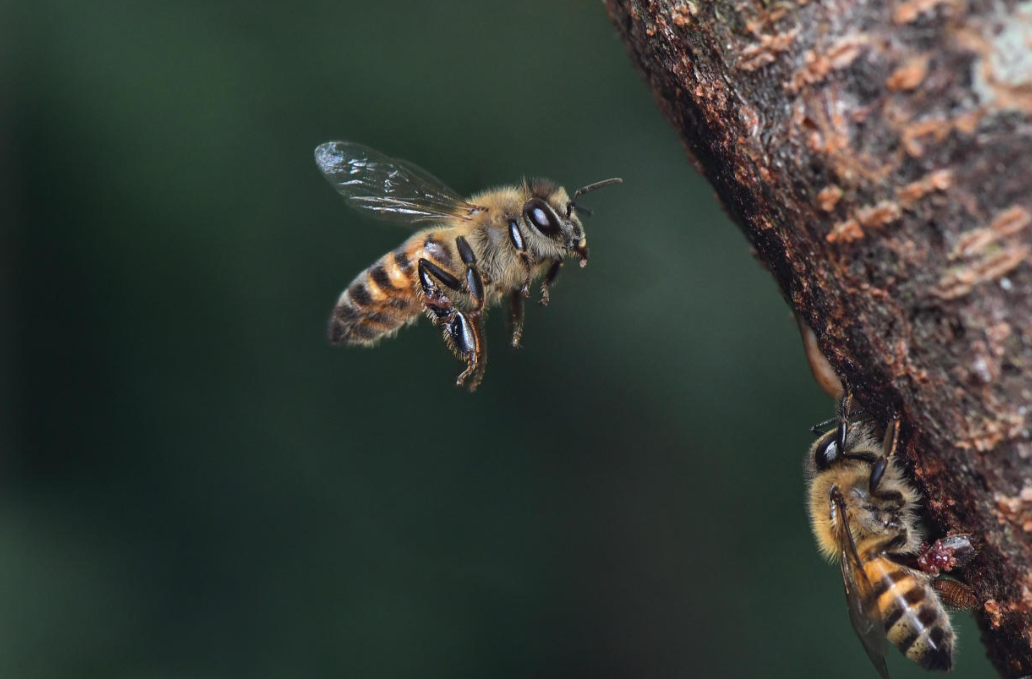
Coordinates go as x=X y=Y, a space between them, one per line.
x=878 y=156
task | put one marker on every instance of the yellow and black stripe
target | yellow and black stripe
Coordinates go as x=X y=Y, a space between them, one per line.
x=385 y=296
x=380 y=300
x=915 y=621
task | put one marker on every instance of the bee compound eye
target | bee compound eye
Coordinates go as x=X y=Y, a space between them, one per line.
x=540 y=216
x=826 y=452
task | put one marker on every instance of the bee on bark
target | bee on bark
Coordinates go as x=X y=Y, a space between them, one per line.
x=473 y=252
x=863 y=515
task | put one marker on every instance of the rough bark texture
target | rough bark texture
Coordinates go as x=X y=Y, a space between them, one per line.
x=878 y=155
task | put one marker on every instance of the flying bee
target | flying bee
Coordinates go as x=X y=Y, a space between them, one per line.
x=863 y=515
x=475 y=251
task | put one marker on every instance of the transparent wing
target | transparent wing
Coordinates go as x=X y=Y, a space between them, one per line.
x=391 y=189
x=863 y=606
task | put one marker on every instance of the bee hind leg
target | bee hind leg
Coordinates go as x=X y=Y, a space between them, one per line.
x=956 y=594
x=438 y=306
x=473 y=343
x=463 y=335
x=461 y=332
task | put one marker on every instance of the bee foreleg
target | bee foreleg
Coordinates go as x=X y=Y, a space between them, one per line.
x=845 y=407
x=516 y=238
x=877 y=471
x=818 y=429
x=516 y=309
x=549 y=279
x=888 y=450
x=528 y=272
x=891 y=437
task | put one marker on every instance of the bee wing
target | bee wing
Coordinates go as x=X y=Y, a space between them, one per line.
x=862 y=604
x=391 y=189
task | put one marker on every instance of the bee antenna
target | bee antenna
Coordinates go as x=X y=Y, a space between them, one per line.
x=579 y=208
x=597 y=185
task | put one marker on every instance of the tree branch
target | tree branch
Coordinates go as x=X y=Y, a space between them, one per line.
x=877 y=155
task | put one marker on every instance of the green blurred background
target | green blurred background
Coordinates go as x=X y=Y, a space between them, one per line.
x=195 y=485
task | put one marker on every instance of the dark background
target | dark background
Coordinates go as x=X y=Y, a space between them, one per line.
x=195 y=485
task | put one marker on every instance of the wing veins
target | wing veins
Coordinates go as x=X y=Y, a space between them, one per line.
x=390 y=189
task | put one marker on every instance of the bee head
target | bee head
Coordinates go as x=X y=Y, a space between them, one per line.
x=552 y=214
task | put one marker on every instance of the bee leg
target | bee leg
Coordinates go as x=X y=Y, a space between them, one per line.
x=461 y=333
x=525 y=288
x=956 y=594
x=438 y=306
x=516 y=238
x=549 y=279
x=474 y=284
x=945 y=554
x=888 y=450
x=818 y=428
x=891 y=438
x=845 y=413
x=843 y=422
x=877 y=471
x=516 y=309
x=845 y=417
x=476 y=359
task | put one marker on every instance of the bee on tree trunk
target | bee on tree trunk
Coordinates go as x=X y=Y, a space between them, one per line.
x=863 y=515
x=473 y=252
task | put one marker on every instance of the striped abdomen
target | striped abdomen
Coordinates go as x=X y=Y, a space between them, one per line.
x=383 y=298
x=915 y=621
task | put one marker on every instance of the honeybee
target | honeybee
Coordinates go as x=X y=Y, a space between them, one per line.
x=475 y=251
x=863 y=515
